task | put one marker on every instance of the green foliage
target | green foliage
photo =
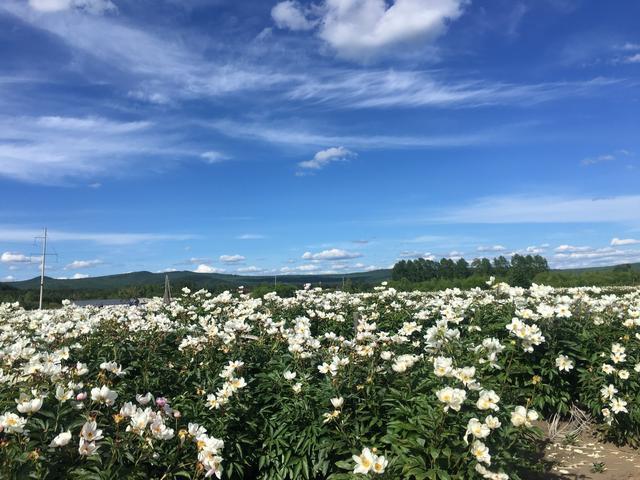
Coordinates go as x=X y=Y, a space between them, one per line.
x=520 y=270
x=340 y=346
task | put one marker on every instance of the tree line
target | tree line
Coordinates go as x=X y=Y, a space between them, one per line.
x=519 y=271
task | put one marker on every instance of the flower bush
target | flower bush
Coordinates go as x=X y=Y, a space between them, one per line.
x=326 y=384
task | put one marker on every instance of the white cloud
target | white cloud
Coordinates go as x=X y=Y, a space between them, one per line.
x=633 y=58
x=366 y=268
x=607 y=157
x=571 y=248
x=89 y=124
x=250 y=269
x=165 y=68
x=9 y=234
x=95 y=7
x=536 y=250
x=198 y=260
x=339 y=266
x=76 y=264
x=599 y=159
x=426 y=239
x=38 y=150
x=410 y=88
x=280 y=135
x=10 y=257
x=214 y=157
x=491 y=248
x=375 y=88
x=331 y=254
x=232 y=258
x=324 y=157
x=415 y=254
x=160 y=67
x=596 y=257
x=8 y=278
x=301 y=268
x=78 y=276
x=150 y=97
x=361 y=29
x=203 y=268
x=546 y=209
x=629 y=46
x=250 y=236
x=289 y=14
x=624 y=241
x=358 y=28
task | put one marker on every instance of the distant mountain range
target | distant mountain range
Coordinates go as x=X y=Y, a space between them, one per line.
x=209 y=280
x=199 y=280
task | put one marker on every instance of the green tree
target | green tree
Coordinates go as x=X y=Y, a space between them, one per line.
x=462 y=269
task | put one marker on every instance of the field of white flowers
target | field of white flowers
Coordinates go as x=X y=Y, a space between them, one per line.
x=445 y=385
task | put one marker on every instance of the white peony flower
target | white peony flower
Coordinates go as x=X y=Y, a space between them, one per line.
x=61 y=440
x=103 y=395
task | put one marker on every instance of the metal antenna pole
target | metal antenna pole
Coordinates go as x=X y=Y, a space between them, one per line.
x=167 y=290
x=42 y=265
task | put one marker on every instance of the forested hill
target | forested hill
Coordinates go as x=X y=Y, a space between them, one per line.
x=218 y=280
x=197 y=280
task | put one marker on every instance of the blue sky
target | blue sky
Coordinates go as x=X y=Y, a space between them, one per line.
x=330 y=136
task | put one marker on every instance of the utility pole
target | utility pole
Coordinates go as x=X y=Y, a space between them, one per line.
x=42 y=264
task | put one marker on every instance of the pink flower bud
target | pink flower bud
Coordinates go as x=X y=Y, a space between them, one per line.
x=81 y=396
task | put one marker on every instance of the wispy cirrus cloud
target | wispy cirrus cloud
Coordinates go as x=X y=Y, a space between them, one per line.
x=250 y=236
x=606 y=157
x=402 y=88
x=592 y=256
x=95 y=7
x=164 y=68
x=275 y=134
x=617 y=242
x=39 y=150
x=161 y=67
x=12 y=234
x=546 y=209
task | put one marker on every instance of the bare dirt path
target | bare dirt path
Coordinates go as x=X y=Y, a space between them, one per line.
x=584 y=457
